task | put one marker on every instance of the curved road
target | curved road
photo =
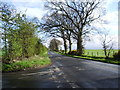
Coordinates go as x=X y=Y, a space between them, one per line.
x=65 y=72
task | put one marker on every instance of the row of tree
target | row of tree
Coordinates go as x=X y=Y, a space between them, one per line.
x=19 y=34
x=54 y=45
x=71 y=20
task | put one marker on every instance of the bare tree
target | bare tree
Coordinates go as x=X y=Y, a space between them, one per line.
x=107 y=43
x=53 y=25
x=80 y=14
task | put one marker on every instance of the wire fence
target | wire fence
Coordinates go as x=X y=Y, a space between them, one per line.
x=99 y=53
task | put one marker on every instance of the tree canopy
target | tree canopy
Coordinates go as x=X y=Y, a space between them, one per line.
x=71 y=19
x=19 y=35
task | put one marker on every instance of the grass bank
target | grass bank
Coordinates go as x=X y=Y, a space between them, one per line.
x=0 y=53
x=32 y=62
x=101 y=59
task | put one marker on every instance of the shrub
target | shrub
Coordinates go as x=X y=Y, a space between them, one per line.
x=62 y=51
x=117 y=55
x=73 y=52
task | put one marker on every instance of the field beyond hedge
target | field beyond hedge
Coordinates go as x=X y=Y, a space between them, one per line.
x=98 y=52
x=97 y=55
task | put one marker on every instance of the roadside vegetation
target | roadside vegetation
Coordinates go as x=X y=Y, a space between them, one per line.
x=28 y=63
x=0 y=53
x=22 y=47
x=98 y=52
x=97 y=55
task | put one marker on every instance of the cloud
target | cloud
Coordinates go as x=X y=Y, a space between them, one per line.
x=33 y=12
x=32 y=8
x=112 y=18
x=97 y=40
x=28 y=4
x=111 y=4
x=32 y=1
x=112 y=23
x=26 y=0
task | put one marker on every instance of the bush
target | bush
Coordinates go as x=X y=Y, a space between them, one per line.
x=117 y=55
x=32 y=62
x=62 y=51
x=73 y=52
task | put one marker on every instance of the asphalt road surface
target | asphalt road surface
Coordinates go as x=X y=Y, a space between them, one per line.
x=65 y=72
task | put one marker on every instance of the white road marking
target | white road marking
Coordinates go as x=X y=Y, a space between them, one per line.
x=73 y=85
x=58 y=58
x=81 y=69
x=54 y=71
x=57 y=69
x=60 y=73
x=59 y=64
x=40 y=73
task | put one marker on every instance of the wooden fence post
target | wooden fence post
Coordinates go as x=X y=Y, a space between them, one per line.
x=97 y=53
x=92 y=53
x=87 y=53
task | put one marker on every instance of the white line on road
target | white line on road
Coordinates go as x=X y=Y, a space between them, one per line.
x=40 y=73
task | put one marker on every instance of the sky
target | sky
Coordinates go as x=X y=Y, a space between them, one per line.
x=35 y=8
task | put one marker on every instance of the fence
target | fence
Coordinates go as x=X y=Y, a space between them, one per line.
x=98 y=53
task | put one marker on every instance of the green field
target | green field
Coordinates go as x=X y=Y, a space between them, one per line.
x=0 y=52
x=96 y=55
x=98 y=52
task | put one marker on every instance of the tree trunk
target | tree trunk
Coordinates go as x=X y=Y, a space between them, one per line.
x=69 y=44
x=56 y=46
x=105 y=51
x=5 y=39
x=79 y=44
x=64 y=40
x=65 y=45
x=5 y=49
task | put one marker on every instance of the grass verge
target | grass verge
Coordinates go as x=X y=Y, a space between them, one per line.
x=0 y=53
x=101 y=59
x=33 y=62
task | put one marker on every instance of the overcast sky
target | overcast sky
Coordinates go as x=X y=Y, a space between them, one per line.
x=34 y=8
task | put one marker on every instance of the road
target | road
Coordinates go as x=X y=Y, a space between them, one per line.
x=65 y=72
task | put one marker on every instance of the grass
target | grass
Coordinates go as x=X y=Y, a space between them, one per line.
x=95 y=58
x=98 y=52
x=36 y=61
x=0 y=53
